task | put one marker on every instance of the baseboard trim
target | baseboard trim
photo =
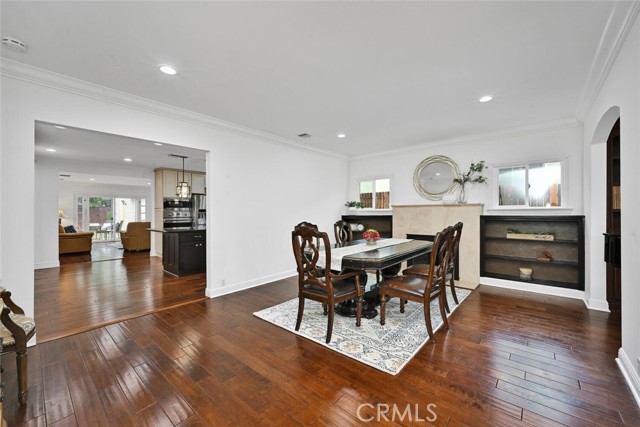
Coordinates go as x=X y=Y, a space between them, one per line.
x=48 y=264
x=597 y=304
x=236 y=287
x=630 y=374
x=531 y=287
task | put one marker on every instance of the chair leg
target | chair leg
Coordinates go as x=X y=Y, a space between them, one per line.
x=325 y=308
x=330 y=324
x=359 y=311
x=427 y=319
x=446 y=302
x=402 y=303
x=21 y=365
x=383 y=307
x=300 y=311
x=443 y=302
x=453 y=291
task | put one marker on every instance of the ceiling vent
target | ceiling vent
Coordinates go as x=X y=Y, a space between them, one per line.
x=14 y=44
x=64 y=175
x=304 y=135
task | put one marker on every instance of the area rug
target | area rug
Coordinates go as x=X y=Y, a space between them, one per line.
x=387 y=348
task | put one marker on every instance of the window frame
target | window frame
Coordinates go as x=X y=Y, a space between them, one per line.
x=374 y=192
x=564 y=182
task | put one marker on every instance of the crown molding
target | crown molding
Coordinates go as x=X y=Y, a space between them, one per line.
x=547 y=126
x=34 y=75
x=618 y=26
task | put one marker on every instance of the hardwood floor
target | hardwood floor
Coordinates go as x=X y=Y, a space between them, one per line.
x=509 y=359
x=80 y=296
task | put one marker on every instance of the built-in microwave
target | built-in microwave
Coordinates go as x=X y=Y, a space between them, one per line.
x=172 y=203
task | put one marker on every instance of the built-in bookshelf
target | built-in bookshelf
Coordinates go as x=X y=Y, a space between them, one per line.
x=545 y=250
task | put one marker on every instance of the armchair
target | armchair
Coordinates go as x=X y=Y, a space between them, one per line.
x=136 y=237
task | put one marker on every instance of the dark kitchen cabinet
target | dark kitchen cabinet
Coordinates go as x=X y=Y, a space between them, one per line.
x=184 y=252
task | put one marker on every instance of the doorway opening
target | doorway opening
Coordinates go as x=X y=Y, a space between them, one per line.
x=612 y=248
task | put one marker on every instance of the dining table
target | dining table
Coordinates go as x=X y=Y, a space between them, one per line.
x=385 y=257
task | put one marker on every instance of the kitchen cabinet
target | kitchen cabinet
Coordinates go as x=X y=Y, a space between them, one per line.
x=184 y=252
x=166 y=181
x=551 y=246
x=198 y=183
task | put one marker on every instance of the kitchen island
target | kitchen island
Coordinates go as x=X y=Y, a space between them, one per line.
x=184 y=250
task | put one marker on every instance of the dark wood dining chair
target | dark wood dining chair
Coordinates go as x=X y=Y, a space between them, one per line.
x=342 y=231
x=321 y=284
x=423 y=269
x=16 y=330
x=419 y=288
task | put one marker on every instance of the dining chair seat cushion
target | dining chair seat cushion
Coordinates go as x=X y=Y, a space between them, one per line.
x=340 y=288
x=26 y=323
x=409 y=285
x=419 y=269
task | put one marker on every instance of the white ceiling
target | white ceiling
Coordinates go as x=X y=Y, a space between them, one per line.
x=74 y=145
x=388 y=74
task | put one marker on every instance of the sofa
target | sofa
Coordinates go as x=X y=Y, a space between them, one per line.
x=136 y=237
x=69 y=243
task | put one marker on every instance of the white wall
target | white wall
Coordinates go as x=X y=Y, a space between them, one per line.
x=249 y=225
x=558 y=140
x=621 y=90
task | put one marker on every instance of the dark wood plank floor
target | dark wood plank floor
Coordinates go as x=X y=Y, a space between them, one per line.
x=79 y=296
x=509 y=359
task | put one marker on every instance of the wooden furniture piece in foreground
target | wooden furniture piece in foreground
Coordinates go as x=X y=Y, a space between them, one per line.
x=423 y=289
x=423 y=269
x=16 y=330
x=320 y=284
x=136 y=237
x=342 y=231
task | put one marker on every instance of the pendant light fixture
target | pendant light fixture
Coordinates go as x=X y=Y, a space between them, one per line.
x=182 y=189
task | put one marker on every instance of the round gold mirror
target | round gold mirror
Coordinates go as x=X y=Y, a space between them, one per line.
x=433 y=178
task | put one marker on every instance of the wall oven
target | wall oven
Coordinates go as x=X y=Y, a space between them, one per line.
x=177 y=213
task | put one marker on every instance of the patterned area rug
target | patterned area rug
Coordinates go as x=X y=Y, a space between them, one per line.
x=387 y=348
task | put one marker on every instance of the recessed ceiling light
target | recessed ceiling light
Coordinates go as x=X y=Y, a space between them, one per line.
x=128 y=159
x=342 y=135
x=485 y=98
x=51 y=150
x=92 y=179
x=168 y=69
x=157 y=143
x=59 y=127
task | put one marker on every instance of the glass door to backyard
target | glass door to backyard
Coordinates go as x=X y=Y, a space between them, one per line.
x=106 y=216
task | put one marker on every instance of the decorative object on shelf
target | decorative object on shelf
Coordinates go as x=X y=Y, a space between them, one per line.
x=512 y=233
x=371 y=236
x=354 y=204
x=470 y=177
x=545 y=256
x=433 y=178
x=182 y=189
x=525 y=273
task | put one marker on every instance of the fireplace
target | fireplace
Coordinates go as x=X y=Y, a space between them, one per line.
x=424 y=259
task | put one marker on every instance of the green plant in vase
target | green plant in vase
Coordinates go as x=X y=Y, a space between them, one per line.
x=471 y=176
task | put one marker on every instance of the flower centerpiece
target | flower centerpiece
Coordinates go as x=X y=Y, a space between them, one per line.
x=371 y=236
x=470 y=176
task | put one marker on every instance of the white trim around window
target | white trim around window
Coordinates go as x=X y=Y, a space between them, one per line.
x=564 y=186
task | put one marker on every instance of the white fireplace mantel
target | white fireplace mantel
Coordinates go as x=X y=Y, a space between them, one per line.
x=429 y=219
